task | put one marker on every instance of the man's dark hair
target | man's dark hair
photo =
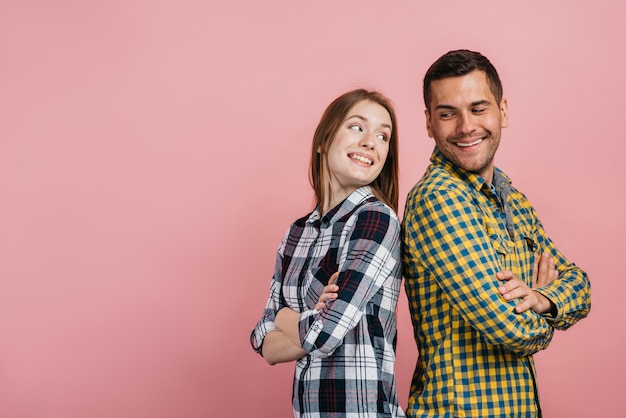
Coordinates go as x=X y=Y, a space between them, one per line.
x=458 y=63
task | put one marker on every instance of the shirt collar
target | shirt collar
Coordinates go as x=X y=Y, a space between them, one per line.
x=352 y=201
x=500 y=180
x=502 y=183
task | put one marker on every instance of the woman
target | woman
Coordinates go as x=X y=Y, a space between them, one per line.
x=342 y=334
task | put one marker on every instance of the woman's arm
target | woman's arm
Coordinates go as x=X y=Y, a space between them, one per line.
x=266 y=339
x=278 y=348
x=369 y=257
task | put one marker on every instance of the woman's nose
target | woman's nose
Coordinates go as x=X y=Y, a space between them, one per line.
x=368 y=139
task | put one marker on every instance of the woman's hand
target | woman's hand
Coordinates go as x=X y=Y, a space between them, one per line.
x=329 y=293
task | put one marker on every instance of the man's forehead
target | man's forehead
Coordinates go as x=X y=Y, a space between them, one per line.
x=467 y=89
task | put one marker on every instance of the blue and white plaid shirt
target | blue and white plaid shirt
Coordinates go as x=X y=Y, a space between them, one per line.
x=349 y=367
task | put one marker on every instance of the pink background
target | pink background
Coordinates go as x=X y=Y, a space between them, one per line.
x=152 y=154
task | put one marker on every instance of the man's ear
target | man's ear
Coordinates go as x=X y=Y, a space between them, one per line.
x=429 y=129
x=504 y=113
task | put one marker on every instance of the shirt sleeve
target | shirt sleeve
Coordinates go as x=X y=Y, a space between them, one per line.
x=571 y=291
x=369 y=256
x=266 y=323
x=444 y=232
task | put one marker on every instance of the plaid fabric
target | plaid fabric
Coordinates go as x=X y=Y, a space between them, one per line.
x=349 y=369
x=475 y=352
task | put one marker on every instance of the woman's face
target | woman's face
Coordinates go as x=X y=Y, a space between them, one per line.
x=359 y=150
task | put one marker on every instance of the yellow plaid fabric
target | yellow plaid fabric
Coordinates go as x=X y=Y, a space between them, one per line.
x=475 y=352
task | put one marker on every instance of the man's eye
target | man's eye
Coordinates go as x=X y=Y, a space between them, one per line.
x=445 y=115
x=479 y=110
x=356 y=128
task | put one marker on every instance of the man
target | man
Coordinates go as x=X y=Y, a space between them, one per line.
x=486 y=285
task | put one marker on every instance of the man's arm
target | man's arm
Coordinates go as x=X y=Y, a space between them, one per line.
x=571 y=292
x=444 y=233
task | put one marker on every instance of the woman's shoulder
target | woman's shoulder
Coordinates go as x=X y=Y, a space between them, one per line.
x=376 y=205
x=299 y=224
x=376 y=208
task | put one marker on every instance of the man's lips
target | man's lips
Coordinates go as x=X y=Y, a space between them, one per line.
x=469 y=144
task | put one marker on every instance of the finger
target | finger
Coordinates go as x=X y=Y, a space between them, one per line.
x=331 y=288
x=328 y=296
x=325 y=297
x=525 y=305
x=515 y=289
x=555 y=275
x=509 y=286
x=517 y=293
x=528 y=302
x=333 y=278
x=544 y=270
x=505 y=275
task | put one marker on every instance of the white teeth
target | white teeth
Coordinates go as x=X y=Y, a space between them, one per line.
x=362 y=159
x=478 y=141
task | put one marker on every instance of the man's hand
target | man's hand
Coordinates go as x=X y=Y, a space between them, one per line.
x=329 y=292
x=544 y=272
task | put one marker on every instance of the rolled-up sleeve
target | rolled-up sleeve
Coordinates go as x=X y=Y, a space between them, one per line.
x=266 y=323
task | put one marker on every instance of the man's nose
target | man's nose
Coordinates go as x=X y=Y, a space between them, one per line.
x=466 y=123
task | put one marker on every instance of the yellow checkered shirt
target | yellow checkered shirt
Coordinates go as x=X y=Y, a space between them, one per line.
x=475 y=352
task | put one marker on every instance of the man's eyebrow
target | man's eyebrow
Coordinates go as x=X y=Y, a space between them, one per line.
x=445 y=107
x=481 y=102
x=364 y=119
x=476 y=103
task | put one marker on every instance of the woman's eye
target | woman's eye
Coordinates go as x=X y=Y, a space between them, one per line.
x=356 y=128
x=382 y=137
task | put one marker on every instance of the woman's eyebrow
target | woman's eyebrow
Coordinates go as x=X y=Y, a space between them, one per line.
x=364 y=119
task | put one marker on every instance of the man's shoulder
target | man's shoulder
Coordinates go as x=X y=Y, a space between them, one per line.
x=437 y=180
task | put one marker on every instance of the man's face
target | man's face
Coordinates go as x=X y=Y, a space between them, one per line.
x=466 y=121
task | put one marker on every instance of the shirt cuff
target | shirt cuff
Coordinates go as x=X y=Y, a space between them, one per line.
x=263 y=327
x=554 y=313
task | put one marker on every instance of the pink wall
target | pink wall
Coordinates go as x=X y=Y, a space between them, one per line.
x=152 y=154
